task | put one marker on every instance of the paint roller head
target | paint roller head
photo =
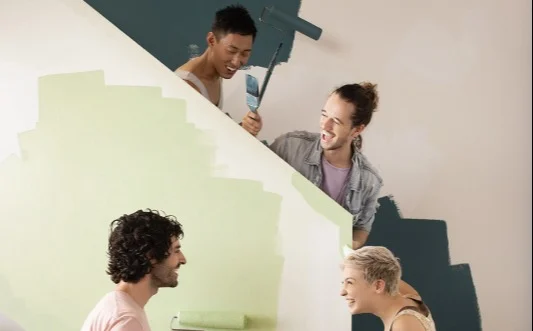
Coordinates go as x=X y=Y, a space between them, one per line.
x=212 y=320
x=290 y=22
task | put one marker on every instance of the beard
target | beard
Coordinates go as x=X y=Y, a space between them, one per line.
x=164 y=276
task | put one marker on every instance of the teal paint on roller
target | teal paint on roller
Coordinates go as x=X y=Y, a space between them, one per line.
x=291 y=22
x=212 y=320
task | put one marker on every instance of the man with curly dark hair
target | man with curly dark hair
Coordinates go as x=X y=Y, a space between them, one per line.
x=144 y=254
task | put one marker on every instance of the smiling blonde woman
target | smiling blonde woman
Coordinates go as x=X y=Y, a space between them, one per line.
x=372 y=284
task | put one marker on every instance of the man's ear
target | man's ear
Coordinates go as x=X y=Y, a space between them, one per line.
x=149 y=256
x=357 y=130
x=211 y=39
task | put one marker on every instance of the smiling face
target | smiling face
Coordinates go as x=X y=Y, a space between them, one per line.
x=336 y=126
x=165 y=273
x=360 y=295
x=229 y=52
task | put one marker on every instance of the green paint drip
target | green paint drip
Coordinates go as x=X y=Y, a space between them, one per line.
x=327 y=207
x=100 y=151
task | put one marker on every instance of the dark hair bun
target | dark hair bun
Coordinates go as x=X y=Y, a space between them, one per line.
x=371 y=93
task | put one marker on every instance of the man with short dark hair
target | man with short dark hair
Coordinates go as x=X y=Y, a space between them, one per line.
x=144 y=255
x=229 y=46
x=332 y=159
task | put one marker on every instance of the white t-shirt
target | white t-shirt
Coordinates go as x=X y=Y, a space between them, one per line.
x=187 y=75
x=116 y=311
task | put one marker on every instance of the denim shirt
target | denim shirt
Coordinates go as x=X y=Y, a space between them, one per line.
x=302 y=150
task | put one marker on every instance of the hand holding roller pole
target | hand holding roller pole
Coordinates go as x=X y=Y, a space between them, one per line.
x=283 y=22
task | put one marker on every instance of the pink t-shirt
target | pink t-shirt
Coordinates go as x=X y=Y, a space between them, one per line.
x=116 y=311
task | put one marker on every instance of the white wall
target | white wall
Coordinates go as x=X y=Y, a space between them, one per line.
x=452 y=137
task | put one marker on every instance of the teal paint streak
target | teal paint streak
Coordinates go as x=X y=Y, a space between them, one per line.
x=422 y=246
x=167 y=28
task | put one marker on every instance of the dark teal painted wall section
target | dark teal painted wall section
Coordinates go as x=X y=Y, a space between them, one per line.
x=166 y=28
x=422 y=246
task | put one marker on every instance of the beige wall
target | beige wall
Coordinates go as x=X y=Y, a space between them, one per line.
x=452 y=137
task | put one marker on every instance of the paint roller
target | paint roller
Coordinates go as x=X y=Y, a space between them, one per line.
x=283 y=22
x=211 y=320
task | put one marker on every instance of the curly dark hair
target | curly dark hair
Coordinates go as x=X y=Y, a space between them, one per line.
x=137 y=238
x=234 y=19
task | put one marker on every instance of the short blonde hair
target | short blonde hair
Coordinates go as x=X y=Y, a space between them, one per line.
x=377 y=262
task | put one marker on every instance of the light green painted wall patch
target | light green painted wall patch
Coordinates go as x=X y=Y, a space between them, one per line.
x=100 y=151
x=326 y=207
